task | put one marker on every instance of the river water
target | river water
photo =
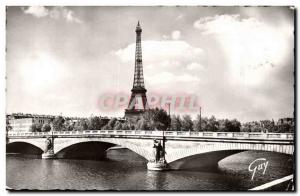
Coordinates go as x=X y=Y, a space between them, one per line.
x=125 y=170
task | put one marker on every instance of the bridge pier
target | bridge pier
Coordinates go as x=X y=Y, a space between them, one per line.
x=48 y=155
x=158 y=166
x=49 y=148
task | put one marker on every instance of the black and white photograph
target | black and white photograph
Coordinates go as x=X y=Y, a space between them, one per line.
x=150 y=98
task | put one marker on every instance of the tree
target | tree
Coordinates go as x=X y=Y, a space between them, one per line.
x=105 y=127
x=118 y=126
x=196 y=124
x=204 y=124
x=268 y=125
x=35 y=127
x=255 y=127
x=58 y=123
x=125 y=126
x=8 y=126
x=235 y=126
x=187 y=123
x=46 y=127
x=142 y=124
x=229 y=125
x=176 y=123
x=285 y=128
x=212 y=124
x=131 y=123
x=81 y=125
x=157 y=119
x=70 y=126
x=222 y=126
x=111 y=123
x=95 y=123
x=246 y=127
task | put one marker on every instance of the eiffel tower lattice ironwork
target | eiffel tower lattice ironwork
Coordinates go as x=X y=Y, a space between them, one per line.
x=138 y=100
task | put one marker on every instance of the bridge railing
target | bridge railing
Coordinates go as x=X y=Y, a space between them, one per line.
x=192 y=134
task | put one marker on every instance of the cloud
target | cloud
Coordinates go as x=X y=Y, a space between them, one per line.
x=41 y=71
x=37 y=11
x=165 y=61
x=194 y=66
x=180 y=16
x=166 y=37
x=154 y=51
x=249 y=45
x=168 y=77
x=62 y=12
x=176 y=35
x=55 y=13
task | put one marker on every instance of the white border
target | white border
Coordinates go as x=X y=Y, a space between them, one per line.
x=5 y=3
x=151 y=2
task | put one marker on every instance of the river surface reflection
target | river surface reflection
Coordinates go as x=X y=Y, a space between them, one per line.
x=125 y=170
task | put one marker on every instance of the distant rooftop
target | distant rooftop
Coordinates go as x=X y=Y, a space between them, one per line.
x=27 y=115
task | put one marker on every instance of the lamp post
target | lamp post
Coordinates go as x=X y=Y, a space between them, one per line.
x=52 y=136
x=164 y=139
x=200 y=120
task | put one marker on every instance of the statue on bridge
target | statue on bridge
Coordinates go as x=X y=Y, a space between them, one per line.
x=158 y=151
x=158 y=162
x=49 y=146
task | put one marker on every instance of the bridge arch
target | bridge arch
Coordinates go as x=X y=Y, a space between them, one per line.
x=202 y=161
x=84 y=150
x=24 y=147
x=209 y=147
x=96 y=146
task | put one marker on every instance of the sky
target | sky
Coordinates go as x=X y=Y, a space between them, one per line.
x=237 y=61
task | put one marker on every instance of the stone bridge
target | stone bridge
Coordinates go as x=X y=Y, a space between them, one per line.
x=215 y=146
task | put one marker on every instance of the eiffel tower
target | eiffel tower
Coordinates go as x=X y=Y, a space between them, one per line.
x=138 y=100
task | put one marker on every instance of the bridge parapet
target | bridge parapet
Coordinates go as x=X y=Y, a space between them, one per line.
x=179 y=144
x=179 y=134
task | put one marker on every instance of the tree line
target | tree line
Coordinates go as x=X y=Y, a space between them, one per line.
x=158 y=119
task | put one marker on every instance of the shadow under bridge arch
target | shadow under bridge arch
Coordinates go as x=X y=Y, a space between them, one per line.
x=203 y=161
x=23 y=148
x=93 y=149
